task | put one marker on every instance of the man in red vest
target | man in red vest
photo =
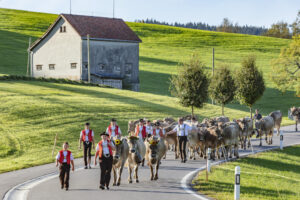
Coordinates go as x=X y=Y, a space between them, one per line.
x=104 y=152
x=87 y=138
x=140 y=130
x=64 y=158
x=113 y=129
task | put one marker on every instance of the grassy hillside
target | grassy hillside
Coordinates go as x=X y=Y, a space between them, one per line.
x=32 y=112
x=270 y=175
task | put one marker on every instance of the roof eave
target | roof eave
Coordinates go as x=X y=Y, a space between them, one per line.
x=112 y=40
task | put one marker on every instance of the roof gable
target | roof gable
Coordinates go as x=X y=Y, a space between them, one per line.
x=97 y=27
x=101 y=27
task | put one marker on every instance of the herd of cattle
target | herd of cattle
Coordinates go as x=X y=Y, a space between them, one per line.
x=220 y=134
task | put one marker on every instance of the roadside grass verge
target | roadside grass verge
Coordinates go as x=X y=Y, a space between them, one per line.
x=269 y=175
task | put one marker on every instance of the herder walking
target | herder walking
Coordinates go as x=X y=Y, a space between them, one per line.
x=113 y=130
x=140 y=130
x=64 y=159
x=104 y=152
x=87 y=138
x=182 y=133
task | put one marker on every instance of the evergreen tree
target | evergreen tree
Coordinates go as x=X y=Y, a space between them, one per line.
x=190 y=84
x=222 y=87
x=250 y=83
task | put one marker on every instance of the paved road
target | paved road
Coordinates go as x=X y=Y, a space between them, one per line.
x=86 y=182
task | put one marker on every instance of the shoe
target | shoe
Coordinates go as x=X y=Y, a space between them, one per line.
x=107 y=187
x=184 y=160
x=90 y=167
x=67 y=189
x=62 y=187
x=101 y=187
x=85 y=167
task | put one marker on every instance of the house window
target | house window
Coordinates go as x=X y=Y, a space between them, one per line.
x=101 y=66
x=51 y=66
x=117 y=68
x=62 y=29
x=39 y=67
x=73 y=65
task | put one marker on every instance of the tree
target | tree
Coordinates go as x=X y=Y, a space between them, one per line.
x=279 y=30
x=226 y=26
x=286 y=68
x=190 y=84
x=250 y=83
x=296 y=25
x=222 y=87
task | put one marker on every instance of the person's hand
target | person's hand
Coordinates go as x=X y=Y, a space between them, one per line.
x=56 y=165
x=79 y=147
x=95 y=163
x=100 y=161
x=73 y=168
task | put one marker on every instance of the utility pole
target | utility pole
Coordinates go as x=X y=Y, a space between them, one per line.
x=28 y=59
x=88 y=52
x=113 y=8
x=70 y=7
x=213 y=69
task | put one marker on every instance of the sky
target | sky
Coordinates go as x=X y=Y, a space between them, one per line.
x=250 y=12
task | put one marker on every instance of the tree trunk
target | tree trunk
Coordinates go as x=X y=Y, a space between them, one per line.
x=251 y=111
x=222 y=109
x=192 y=111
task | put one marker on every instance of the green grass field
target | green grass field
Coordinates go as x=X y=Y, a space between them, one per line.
x=32 y=112
x=270 y=175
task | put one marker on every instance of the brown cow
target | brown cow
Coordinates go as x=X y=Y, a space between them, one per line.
x=120 y=156
x=295 y=113
x=246 y=131
x=265 y=126
x=210 y=136
x=277 y=117
x=172 y=139
x=136 y=155
x=155 y=150
x=230 y=132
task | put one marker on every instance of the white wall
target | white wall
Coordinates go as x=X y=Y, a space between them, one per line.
x=60 y=49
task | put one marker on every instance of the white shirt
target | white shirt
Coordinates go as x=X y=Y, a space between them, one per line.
x=149 y=129
x=113 y=132
x=105 y=149
x=65 y=156
x=157 y=132
x=86 y=134
x=182 y=129
x=140 y=132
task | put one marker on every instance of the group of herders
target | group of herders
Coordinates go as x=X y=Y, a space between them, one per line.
x=106 y=146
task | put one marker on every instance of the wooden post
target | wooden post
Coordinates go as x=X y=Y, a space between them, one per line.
x=213 y=68
x=28 y=59
x=88 y=52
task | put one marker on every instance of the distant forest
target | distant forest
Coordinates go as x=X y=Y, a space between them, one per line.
x=226 y=26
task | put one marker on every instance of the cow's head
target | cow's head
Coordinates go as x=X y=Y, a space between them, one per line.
x=153 y=149
x=117 y=153
x=295 y=113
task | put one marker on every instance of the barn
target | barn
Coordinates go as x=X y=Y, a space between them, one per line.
x=76 y=47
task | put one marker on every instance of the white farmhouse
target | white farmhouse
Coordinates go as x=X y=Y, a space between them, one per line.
x=114 y=51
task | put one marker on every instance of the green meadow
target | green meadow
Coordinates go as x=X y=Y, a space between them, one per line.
x=33 y=112
x=269 y=175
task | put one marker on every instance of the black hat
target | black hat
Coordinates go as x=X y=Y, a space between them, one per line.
x=87 y=124
x=157 y=124
x=141 y=120
x=104 y=133
x=113 y=120
x=148 y=120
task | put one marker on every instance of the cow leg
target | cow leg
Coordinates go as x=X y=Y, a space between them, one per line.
x=156 y=170
x=260 y=142
x=129 y=174
x=230 y=153
x=115 y=176
x=120 y=174
x=236 y=148
x=249 y=141
x=245 y=142
x=151 y=172
x=296 y=126
x=136 y=174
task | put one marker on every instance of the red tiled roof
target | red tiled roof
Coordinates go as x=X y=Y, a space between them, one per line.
x=96 y=27
x=101 y=27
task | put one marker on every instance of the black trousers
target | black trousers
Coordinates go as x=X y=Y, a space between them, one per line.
x=182 y=146
x=64 y=174
x=105 y=168
x=87 y=151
